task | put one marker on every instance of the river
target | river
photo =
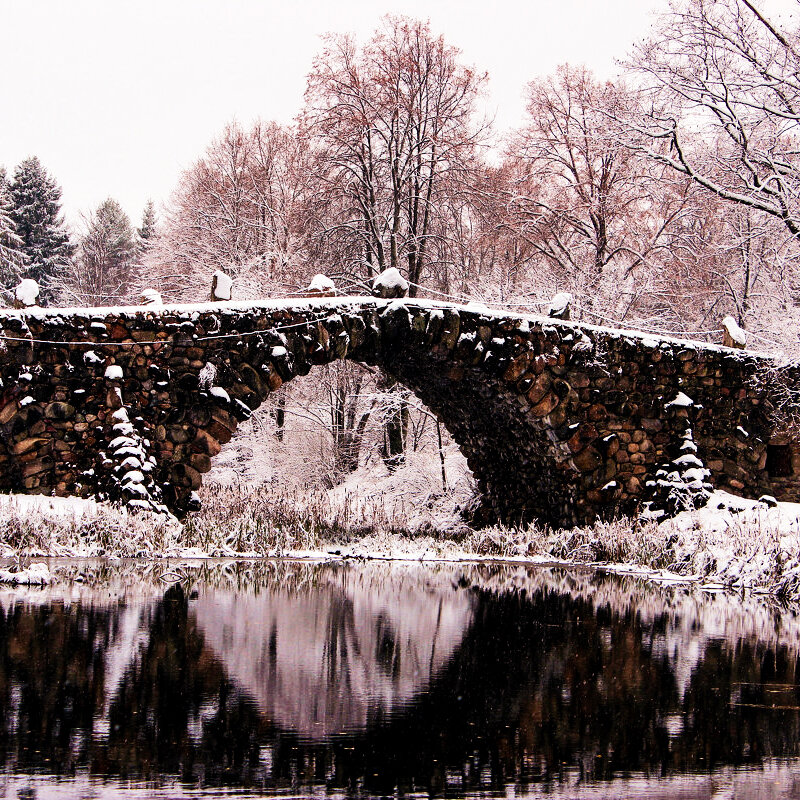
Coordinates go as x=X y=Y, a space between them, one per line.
x=282 y=678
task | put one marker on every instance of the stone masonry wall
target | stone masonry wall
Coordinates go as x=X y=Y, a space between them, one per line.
x=558 y=421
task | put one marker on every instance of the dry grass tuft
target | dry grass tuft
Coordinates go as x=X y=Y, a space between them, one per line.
x=266 y=521
x=104 y=530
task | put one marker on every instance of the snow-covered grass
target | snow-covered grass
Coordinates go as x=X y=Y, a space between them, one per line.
x=731 y=543
x=34 y=525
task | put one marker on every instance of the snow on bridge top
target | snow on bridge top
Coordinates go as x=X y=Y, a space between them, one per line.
x=299 y=304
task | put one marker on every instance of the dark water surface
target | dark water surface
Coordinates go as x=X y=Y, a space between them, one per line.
x=298 y=679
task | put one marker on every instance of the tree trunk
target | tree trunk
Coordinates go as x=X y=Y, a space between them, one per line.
x=280 y=417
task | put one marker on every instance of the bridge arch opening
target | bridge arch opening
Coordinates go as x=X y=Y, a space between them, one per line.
x=504 y=399
x=346 y=434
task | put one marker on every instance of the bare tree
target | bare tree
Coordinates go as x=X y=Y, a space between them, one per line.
x=723 y=85
x=592 y=212
x=392 y=128
x=233 y=210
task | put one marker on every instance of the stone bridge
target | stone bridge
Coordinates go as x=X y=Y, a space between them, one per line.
x=561 y=422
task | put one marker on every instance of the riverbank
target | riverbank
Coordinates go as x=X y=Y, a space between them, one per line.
x=733 y=543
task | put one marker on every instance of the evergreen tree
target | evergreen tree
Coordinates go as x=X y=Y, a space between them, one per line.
x=11 y=259
x=141 y=278
x=147 y=232
x=35 y=211
x=102 y=271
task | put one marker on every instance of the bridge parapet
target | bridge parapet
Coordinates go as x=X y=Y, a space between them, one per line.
x=559 y=421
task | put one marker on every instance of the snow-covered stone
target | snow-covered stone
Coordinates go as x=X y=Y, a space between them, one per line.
x=688 y=460
x=321 y=285
x=121 y=441
x=134 y=476
x=559 y=306
x=150 y=297
x=221 y=286
x=113 y=372
x=219 y=392
x=733 y=335
x=26 y=293
x=390 y=283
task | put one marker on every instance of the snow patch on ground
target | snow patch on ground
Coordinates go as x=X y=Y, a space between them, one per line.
x=739 y=542
x=38 y=505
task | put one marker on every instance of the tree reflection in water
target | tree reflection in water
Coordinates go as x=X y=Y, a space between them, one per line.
x=377 y=678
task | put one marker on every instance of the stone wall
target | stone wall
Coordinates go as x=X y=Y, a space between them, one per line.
x=558 y=421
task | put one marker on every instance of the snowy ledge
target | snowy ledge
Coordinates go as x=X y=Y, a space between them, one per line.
x=353 y=302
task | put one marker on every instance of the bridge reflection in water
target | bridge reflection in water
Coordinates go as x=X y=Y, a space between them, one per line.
x=374 y=680
x=334 y=658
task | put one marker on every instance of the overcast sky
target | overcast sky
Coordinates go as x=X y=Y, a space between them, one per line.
x=117 y=98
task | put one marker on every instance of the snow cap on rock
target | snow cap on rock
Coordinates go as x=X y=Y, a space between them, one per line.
x=27 y=293
x=321 y=284
x=221 y=286
x=733 y=335
x=390 y=283
x=559 y=306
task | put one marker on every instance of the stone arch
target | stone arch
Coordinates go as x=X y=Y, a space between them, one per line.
x=501 y=388
x=452 y=359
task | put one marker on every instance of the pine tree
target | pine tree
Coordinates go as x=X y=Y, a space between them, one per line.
x=102 y=271
x=141 y=277
x=11 y=258
x=147 y=232
x=35 y=211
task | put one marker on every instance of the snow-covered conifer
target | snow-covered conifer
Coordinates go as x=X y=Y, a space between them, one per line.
x=11 y=258
x=102 y=272
x=682 y=483
x=147 y=231
x=34 y=208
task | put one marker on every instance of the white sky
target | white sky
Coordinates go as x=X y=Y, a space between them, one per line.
x=118 y=97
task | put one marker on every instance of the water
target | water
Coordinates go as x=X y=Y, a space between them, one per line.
x=296 y=679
